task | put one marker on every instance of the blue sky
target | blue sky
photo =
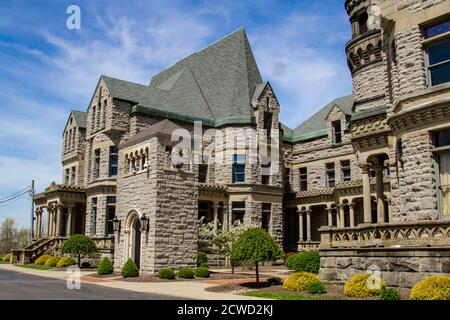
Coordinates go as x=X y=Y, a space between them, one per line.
x=47 y=70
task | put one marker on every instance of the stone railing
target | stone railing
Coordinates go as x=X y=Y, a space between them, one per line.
x=420 y=233
x=308 y=245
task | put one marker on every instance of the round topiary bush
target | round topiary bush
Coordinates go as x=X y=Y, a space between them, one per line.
x=7 y=258
x=432 y=288
x=201 y=258
x=300 y=281
x=390 y=294
x=52 y=261
x=130 y=270
x=105 y=267
x=66 y=262
x=166 y=273
x=204 y=265
x=202 y=272
x=316 y=288
x=41 y=260
x=186 y=273
x=363 y=286
x=308 y=261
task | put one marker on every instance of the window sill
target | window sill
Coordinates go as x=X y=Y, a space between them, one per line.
x=435 y=39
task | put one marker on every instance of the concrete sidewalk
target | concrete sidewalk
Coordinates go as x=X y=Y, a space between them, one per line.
x=183 y=289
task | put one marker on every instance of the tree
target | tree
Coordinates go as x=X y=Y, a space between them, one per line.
x=11 y=237
x=256 y=245
x=79 y=245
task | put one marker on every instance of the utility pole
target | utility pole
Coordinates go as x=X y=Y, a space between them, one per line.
x=32 y=210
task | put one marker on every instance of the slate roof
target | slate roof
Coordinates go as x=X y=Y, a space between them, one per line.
x=164 y=127
x=80 y=118
x=214 y=83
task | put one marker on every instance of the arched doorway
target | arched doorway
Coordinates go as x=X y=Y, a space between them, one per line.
x=133 y=238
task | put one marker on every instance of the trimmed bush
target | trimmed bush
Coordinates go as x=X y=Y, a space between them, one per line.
x=390 y=294
x=130 y=270
x=52 y=261
x=432 y=288
x=316 y=288
x=41 y=260
x=66 y=262
x=7 y=258
x=203 y=265
x=185 y=273
x=79 y=245
x=166 y=273
x=105 y=267
x=307 y=261
x=1 y=259
x=363 y=286
x=202 y=272
x=300 y=281
x=201 y=258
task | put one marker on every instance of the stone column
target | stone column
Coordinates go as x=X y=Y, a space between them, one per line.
x=341 y=216
x=216 y=214
x=380 y=193
x=51 y=222
x=308 y=225
x=69 y=220
x=58 y=220
x=366 y=195
x=391 y=216
x=38 y=223
x=225 y=216
x=300 y=226
x=47 y=229
x=330 y=216
x=352 y=214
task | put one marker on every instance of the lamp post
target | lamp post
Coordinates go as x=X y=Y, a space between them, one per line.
x=144 y=223
x=116 y=224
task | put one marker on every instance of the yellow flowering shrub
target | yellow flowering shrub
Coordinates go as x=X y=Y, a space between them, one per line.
x=432 y=288
x=41 y=260
x=300 y=281
x=52 y=261
x=7 y=258
x=65 y=262
x=360 y=286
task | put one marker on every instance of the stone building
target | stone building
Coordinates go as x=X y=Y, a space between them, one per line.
x=364 y=180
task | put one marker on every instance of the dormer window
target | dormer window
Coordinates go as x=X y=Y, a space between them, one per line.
x=336 y=131
x=268 y=117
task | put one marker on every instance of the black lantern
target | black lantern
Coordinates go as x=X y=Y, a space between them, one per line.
x=116 y=224
x=144 y=223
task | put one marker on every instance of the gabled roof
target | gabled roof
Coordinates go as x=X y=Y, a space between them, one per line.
x=80 y=118
x=213 y=84
x=164 y=127
x=316 y=125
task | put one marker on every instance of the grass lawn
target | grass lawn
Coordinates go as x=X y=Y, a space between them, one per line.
x=284 y=296
x=33 y=266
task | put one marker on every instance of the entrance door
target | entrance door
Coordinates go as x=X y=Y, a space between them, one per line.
x=136 y=247
x=444 y=170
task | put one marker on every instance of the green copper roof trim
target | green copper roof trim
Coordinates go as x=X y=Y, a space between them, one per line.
x=306 y=136
x=187 y=118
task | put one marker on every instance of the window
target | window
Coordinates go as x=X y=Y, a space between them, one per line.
x=93 y=118
x=96 y=163
x=303 y=179
x=265 y=171
x=362 y=22
x=238 y=168
x=345 y=170
x=110 y=214
x=268 y=117
x=74 y=172
x=287 y=176
x=437 y=29
x=331 y=182
x=238 y=212
x=113 y=160
x=94 y=216
x=442 y=138
x=439 y=62
x=337 y=132
x=265 y=219
x=202 y=172
x=67 y=176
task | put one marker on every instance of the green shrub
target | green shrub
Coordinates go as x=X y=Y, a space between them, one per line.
x=185 y=273
x=130 y=270
x=204 y=265
x=300 y=281
x=202 y=272
x=201 y=258
x=1 y=259
x=307 y=261
x=105 y=267
x=7 y=258
x=79 y=245
x=85 y=264
x=166 y=273
x=41 y=260
x=66 y=262
x=432 y=288
x=317 y=288
x=358 y=286
x=390 y=294
x=52 y=261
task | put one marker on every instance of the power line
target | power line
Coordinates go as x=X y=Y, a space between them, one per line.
x=6 y=202
x=13 y=195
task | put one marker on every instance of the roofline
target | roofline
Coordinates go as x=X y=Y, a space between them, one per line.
x=68 y=118
x=306 y=136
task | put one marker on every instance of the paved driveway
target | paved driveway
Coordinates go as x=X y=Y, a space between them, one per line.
x=17 y=285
